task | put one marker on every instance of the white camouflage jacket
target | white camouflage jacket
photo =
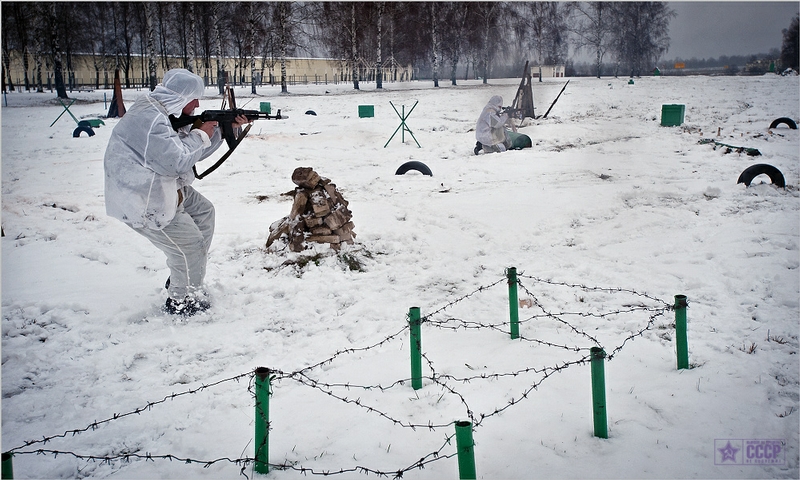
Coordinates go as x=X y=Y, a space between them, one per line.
x=146 y=161
x=490 y=129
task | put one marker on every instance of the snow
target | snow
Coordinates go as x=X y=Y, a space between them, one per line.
x=605 y=198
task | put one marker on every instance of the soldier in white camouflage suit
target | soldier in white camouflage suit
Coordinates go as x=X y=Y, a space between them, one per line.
x=148 y=176
x=490 y=130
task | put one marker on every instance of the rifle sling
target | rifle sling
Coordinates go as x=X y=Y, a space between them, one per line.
x=224 y=157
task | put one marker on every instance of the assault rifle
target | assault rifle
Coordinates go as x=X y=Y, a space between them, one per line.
x=225 y=118
x=512 y=112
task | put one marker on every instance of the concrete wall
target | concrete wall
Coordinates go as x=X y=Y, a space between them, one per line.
x=298 y=70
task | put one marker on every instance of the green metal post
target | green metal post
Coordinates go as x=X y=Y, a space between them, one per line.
x=466 y=453
x=680 y=332
x=599 y=392
x=416 y=347
x=8 y=467
x=403 y=117
x=513 y=302
x=262 y=420
x=66 y=110
x=403 y=133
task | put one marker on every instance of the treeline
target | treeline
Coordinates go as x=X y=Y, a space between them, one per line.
x=441 y=39
x=726 y=61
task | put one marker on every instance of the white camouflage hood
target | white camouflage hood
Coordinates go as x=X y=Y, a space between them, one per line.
x=180 y=86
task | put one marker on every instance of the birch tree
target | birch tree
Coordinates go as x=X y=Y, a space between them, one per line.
x=53 y=13
x=593 y=27
x=435 y=44
x=454 y=35
x=489 y=15
x=354 y=45
x=282 y=20
x=149 y=14
x=641 y=34
x=8 y=81
x=217 y=39
x=378 y=52
x=341 y=33
x=547 y=31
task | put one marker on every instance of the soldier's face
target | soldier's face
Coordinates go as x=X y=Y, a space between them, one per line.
x=189 y=108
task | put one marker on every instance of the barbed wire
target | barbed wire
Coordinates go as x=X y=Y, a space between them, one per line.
x=656 y=311
x=246 y=462
x=344 y=352
x=498 y=327
x=478 y=290
x=596 y=289
x=443 y=380
x=94 y=425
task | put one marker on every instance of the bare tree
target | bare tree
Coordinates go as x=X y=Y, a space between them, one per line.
x=149 y=11
x=378 y=52
x=125 y=20
x=205 y=38
x=217 y=39
x=21 y=20
x=255 y=19
x=490 y=16
x=191 y=38
x=454 y=22
x=180 y=35
x=38 y=45
x=354 y=45
x=164 y=12
x=283 y=12
x=544 y=30
x=97 y=27
x=53 y=12
x=641 y=34
x=435 y=44
x=343 y=31
x=7 y=43
x=593 y=26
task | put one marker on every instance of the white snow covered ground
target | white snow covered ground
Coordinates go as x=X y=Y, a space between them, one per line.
x=606 y=218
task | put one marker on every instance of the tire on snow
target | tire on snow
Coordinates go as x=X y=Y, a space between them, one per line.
x=788 y=121
x=753 y=171
x=77 y=132
x=414 y=165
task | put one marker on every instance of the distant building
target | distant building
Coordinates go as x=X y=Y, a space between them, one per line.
x=548 y=71
x=88 y=71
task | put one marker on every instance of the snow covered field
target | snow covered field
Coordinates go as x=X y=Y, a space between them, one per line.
x=605 y=198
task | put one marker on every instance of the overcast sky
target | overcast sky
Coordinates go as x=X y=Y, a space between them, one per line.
x=712 y=29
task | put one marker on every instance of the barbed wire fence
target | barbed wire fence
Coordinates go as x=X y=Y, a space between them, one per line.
x=649 y=307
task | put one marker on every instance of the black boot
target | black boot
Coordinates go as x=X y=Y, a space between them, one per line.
x=478 y=148
x=187 y=307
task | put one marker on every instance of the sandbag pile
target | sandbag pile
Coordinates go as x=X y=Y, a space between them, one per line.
x=319 y=214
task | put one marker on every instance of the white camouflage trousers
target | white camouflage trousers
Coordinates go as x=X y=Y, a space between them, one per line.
x=185 y=241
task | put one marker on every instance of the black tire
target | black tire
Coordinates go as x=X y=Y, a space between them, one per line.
x=77 y=132
x=311 y=112
x=414 y=165
x=788 y=121
x=753 y=171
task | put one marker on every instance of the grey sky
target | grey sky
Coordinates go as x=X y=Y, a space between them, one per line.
x=712 y=29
